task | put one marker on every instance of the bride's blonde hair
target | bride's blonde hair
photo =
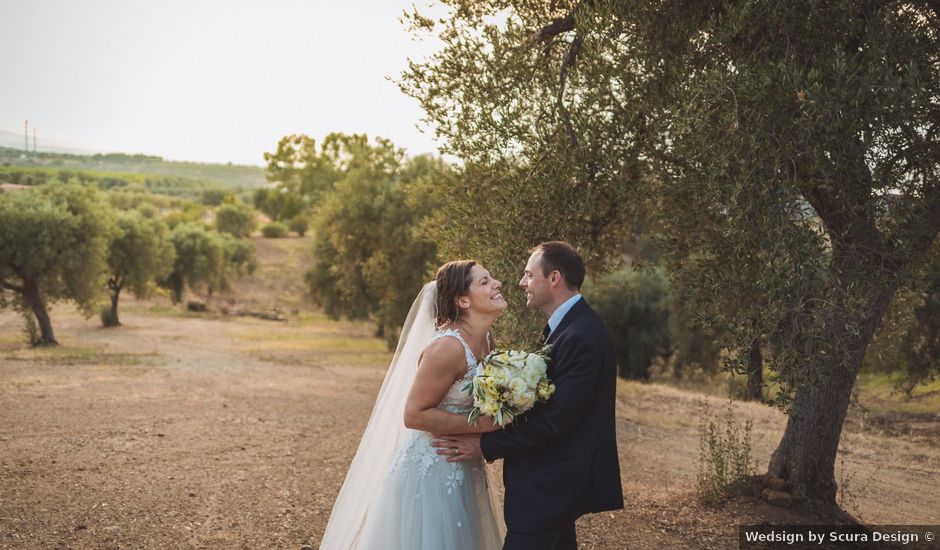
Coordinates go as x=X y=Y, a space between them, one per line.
x=453 y=281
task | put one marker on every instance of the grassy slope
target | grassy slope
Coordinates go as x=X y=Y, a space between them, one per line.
x=226 y=174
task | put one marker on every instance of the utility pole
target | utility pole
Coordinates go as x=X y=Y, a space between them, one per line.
x=26 y=137
x=34 y=141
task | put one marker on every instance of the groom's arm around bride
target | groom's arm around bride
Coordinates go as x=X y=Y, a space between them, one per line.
x=560 y=459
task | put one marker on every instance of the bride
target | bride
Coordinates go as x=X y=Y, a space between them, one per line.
x=398 y=492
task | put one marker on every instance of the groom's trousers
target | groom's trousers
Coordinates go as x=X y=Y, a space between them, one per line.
x=564 y=538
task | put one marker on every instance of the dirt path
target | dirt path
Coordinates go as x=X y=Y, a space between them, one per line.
x=187 y=432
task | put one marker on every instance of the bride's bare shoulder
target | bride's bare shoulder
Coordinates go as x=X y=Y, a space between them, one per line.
x=443 y=351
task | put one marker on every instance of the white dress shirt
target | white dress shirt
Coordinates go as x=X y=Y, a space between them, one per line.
x=560 y=313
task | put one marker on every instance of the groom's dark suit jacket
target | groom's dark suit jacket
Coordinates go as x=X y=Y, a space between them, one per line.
x=560 y=459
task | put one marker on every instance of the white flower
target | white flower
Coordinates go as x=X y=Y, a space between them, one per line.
x=509 y=383
x=524 y=401
x=535 y=360
x=517 y=386
x=532 y=375
x=500 y=376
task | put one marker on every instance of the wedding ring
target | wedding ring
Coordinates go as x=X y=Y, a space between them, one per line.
x=453 y=451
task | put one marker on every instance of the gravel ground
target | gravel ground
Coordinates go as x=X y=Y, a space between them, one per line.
x=198 y=432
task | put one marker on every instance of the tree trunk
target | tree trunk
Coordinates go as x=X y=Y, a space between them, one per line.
x=115 y=284
x=806 y=454
x=115 y=295
x=32 y=297
x=755 y=373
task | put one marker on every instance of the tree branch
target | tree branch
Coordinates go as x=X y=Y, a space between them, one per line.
x=559 y=26
x=115 y=283
x=547 y=34
x=12 y=287
x=569 y=60
x=555 y=28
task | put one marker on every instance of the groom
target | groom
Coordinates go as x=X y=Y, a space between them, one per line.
x=559 y=461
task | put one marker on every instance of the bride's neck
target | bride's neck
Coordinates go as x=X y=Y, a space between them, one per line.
x=475 y=327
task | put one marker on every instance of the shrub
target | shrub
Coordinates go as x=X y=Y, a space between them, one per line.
x=215 y=197
x=724 y=459
x=635 y=306
x=299 y=225
x=237 y=220
x=274 y=230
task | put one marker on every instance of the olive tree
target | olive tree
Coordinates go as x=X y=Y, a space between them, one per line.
x=370 y=260
x=140 y=253
x=206 y=260
x=236 y=219
x=788 y=149
x=53 y=247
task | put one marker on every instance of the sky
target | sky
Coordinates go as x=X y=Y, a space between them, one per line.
x=207 y=80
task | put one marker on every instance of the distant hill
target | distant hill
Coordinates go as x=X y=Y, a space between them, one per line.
x=15 y=141
x=245 y=177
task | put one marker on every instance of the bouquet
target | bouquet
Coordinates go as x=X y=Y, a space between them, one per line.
x=508 y=383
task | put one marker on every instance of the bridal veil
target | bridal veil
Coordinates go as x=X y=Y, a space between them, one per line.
x=386 y=429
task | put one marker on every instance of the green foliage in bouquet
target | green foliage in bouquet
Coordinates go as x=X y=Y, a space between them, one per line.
x=506 y=384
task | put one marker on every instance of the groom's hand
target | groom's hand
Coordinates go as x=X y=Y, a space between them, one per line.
x=458 y=447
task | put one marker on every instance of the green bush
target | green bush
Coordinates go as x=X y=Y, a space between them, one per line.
x=299 y=225
x=187 y=213
x=274 y=230
x=724 y=461
x=635 y=306
x=215 y=197
x=237 y=220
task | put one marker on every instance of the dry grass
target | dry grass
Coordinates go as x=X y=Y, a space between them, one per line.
x=879 y=394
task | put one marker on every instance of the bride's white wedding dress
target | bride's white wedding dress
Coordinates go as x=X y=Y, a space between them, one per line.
x=399 y=493
x=428 y=503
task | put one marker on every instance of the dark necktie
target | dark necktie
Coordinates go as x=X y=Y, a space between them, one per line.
x=545 y=332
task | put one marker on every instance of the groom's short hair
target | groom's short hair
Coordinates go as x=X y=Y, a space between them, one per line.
x=561 y=256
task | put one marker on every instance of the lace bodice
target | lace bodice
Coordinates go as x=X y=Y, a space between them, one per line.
x=457 y=400
x=416 y=453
